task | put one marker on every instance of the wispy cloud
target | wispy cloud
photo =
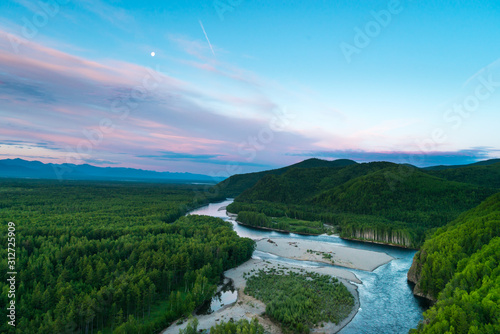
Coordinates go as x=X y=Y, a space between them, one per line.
x=180 y=156
x=53 y=101
x=23 y=91
x=114 y=14
x=215 y=159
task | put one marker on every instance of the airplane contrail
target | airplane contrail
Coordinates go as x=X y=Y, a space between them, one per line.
x=210 y=44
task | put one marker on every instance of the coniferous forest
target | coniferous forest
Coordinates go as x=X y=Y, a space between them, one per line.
x=339 y=160
x=115 y=257
x=231 y=327
x=459 y=267
x=379 y=201
x=111 y=257
x=300 y=301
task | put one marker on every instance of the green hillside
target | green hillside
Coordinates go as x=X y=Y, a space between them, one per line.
x=299 y=185
x=378 y=201
x=479 y=163
x=481 y=175
x=459 y=267
x=418 y=198
x=236 y=184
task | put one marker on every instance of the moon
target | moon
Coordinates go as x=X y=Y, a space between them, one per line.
x=152 y=54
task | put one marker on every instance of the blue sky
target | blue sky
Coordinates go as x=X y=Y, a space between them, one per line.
x=270 y=84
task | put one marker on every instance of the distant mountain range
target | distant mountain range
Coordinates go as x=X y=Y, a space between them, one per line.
x=19 y=168
x=236 y=184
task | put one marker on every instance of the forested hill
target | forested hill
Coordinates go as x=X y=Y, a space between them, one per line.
x=378 y=201
x=300 y=185
x=479 y=163
x=460 y=267
x=236 y=184
x=486 y=174
x=417 y=198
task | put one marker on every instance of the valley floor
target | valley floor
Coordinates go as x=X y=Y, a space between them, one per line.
x=247 y=307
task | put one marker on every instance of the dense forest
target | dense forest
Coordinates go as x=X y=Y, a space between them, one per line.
x=99 y=257
x=379 y=201
x=478 y=174
x=459 y=267
x=115 y=257
x=300 y=301
x=236 y=184
x=257 y=219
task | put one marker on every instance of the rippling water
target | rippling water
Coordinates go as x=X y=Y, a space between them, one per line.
x=387 y=302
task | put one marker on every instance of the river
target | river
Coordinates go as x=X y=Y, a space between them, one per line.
x=387 y=302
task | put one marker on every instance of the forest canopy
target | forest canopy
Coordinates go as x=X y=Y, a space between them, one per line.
x=119 y=257
x=460 y=267
x=378 y=201
x=300 y=301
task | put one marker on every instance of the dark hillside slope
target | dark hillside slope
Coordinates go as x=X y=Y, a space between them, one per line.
x=438 y=258
x=236 y=184
x=479 y=163
x=370 y=201
x=418 y=198
x=482 y=175
x=460 y=268
x=298 y=185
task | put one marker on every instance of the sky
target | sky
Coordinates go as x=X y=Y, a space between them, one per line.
x=220 y=87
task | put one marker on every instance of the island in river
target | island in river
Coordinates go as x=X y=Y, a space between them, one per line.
x=247 y=307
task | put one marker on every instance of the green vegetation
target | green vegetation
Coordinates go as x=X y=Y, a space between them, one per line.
x=191 y=328
x=299 y=226
x=118 y=257
x=236 y=184
x=380 y=201
x=403 y=205
x=460 y=266
x=486 y=176
x=242 y=326
x=300 y=301
x=239 y=327
x=325 y=255
x=479 y=163
x=256 y=219
x=440 y=256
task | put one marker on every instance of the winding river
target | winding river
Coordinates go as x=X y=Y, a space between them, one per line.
x=387 y=302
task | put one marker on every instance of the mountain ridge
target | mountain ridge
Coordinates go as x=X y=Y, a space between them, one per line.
x=20 y=168
x=376 y=201
x=238 y=183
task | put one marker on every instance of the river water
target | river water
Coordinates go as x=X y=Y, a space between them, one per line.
x=387 y=302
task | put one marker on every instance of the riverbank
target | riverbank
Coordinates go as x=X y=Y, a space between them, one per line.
x=380 y=243
x=234 y=216
x=384 y=293
x=247 y=307
x=324 y=252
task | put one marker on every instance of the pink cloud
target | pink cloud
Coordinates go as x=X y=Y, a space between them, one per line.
x=56 y=98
